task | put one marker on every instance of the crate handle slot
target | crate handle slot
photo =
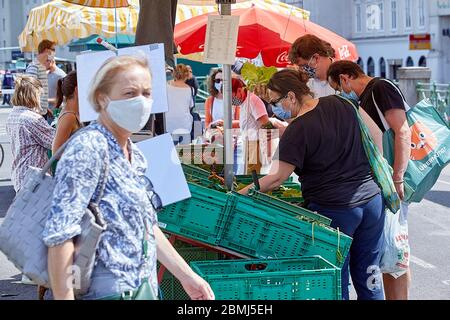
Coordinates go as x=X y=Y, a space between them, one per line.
x=271 y=282
x=256 y=266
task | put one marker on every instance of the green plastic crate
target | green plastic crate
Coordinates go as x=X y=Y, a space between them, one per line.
x=279 y=205
x=303 y=278
x=257 y=230
x=200 y=217
x=247 y=179
x=194 y=155
x=170 y=286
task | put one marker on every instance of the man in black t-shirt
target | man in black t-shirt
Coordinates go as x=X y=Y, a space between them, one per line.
x=385 y=104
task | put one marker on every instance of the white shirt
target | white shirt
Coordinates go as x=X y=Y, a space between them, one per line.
x=251 y=110
x=320 y=88
x=217 y=110
x=179 y=117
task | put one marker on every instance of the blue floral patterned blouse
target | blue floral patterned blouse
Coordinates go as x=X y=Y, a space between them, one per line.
x=124 y=205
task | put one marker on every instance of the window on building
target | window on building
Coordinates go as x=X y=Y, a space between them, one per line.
x=358 y=18
x=374 y=17
x=421 y=13
x=394 y=14
x=370 y=67
x=409 y=62
x=422 y=61
x=408 y=14
x=3 y=4
x=361 y=63
x=382 y=68
x=4 y=24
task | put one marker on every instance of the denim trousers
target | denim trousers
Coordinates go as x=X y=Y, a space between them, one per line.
x=365 y=224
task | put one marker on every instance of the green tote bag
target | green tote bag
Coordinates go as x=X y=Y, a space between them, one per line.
x=381 y=170
x=430 y=147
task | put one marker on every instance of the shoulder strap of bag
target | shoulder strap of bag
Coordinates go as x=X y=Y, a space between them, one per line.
x=380 y=114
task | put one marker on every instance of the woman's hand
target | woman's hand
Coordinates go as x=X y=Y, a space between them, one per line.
x=217 y=123
x=280 y=125
x=244 y=191
x=197 y=288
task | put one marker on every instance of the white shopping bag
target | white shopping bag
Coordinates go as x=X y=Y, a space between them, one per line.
x=396 y=250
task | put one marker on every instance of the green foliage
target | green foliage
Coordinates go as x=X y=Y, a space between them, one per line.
x=254 y=75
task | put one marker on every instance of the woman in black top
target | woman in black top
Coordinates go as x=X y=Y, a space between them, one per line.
x=323 y=146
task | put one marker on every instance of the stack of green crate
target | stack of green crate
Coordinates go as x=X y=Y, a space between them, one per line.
x=299 y=278
x=170 y=287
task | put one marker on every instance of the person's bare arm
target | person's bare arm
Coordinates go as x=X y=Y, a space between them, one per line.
x=279 y=172
x=263 y=120
x=193 y=284
x=396 y=118
x=60 y=261
x=64 y=130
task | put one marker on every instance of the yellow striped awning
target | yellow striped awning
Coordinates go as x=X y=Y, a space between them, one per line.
x=101 y=3
x=187 y=11
x=62 y=22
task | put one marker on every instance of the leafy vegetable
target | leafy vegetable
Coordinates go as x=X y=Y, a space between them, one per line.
x=254 y=75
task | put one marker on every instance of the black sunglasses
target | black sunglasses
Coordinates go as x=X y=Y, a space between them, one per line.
x=153 y=196
x=218 y=80
x=274 y=102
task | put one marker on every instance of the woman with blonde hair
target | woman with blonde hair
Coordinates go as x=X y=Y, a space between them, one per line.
x=29 y=133
x=180 y=98
x=103 y=153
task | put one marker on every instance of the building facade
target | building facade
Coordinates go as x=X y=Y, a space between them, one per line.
x=381 y=30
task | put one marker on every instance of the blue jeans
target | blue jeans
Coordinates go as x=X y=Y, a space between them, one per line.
x=365 y=224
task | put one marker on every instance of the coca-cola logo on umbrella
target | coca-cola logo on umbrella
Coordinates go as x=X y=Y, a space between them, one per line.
x=283 y=58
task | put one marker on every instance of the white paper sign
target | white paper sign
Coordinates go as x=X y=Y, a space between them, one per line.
x=89 y=63
x=221 y=39
x=164 y=169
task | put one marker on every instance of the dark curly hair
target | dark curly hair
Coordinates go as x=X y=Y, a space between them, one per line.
x=212 y=77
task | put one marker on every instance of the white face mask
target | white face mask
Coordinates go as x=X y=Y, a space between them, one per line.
x=130 y=114
x=218 y=86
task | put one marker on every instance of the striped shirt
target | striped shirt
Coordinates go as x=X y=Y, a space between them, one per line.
x=38 y=71
x=30 y=136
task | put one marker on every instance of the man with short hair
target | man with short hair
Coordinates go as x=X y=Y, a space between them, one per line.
x=385 y=104
x=54 y=74
x=314 y=56
x=38 y=69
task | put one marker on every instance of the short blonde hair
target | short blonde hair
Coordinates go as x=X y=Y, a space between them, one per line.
x=181 y=72
x=106 y=76
x=27 y=92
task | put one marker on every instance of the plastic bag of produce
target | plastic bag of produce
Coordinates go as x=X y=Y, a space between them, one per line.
x=396 y=251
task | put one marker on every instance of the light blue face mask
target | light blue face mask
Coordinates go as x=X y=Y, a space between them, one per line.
x=351 y=96
x=280 y=112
